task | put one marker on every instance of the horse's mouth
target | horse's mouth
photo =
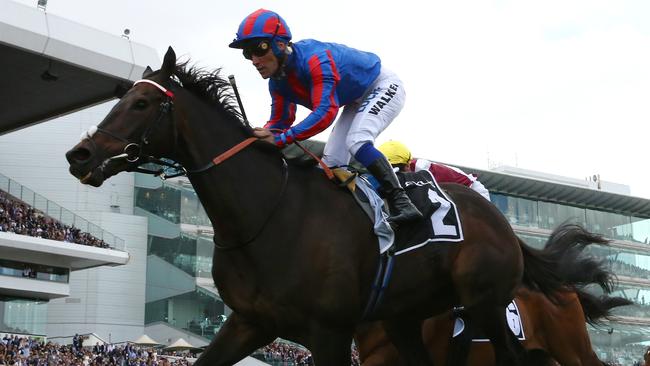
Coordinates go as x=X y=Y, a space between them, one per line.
x=85 y=178
x=94 y=177
x=97 y=175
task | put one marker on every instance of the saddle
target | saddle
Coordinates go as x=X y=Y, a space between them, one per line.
x=441 y=221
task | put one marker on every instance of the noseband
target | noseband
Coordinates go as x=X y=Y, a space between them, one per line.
x=133 y=152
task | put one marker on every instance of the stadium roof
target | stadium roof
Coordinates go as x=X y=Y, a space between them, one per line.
x=539 y=188
x=53 y=66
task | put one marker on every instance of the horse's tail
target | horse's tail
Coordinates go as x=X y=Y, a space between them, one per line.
x=563 y=265
x=566 y=245
x=577 y=270
x=598 y=308
x=540 y=271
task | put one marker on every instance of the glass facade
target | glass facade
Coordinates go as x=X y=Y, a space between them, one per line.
x=199 y=312
x=623 y=339
x=191 y=254
x=22 y=316
x=547 y=215
x=187 y=259
x=35 y=271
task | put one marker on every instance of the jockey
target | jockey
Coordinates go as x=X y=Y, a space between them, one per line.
x=325 y=77
x=400 y=157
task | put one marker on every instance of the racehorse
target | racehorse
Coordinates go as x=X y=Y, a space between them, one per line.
x=294 y=255
x=554 y=330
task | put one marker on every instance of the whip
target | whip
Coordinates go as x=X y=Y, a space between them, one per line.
x=231 y=78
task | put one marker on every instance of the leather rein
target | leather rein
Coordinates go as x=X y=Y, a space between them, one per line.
x=133 y=153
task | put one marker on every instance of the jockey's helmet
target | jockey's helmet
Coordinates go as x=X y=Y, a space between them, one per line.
x=262 y=23
x=396 y=152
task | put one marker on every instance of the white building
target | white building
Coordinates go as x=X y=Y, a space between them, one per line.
x=55 y=66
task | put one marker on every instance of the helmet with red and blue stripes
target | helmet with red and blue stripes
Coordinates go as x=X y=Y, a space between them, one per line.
x=261 y=23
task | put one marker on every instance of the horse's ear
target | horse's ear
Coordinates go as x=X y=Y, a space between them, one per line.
x=148 y=71
x=120 y=90
x=169 y=63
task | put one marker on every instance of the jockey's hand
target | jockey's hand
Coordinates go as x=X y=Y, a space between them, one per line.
x=264 y=134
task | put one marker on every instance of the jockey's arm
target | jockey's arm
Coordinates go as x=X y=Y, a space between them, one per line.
x=324 y=103
x=283 y=112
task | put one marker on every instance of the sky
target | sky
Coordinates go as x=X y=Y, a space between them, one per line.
x=555 y=86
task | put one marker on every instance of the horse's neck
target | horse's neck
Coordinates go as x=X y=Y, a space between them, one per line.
x=234 y=195
x=239 y=192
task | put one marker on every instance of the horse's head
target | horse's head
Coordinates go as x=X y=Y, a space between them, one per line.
x=139 y=125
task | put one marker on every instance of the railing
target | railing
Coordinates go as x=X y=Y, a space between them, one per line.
x=57 y=212
x=89 y=339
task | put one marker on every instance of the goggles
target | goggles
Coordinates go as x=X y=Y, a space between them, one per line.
x=258 y=49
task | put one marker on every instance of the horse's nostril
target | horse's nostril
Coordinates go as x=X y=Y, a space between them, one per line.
x=78 y=155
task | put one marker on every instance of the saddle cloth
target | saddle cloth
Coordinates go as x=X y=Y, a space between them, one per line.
x=441 y=221
x=514 y=322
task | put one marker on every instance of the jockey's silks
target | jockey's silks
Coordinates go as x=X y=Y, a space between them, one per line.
x=322 y=77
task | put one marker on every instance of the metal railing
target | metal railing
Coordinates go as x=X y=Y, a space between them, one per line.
x=58 y=213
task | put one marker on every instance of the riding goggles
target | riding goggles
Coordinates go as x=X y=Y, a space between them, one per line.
x=258 y=49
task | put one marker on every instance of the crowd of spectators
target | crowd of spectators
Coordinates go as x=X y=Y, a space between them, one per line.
x=25 y=351
x=625 y=269
x=287 y=354
x=636 y=311
x=19 y=218
x=630 y=355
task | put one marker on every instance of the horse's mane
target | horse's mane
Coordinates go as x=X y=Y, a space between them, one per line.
x=216 y=91
x=211 y=87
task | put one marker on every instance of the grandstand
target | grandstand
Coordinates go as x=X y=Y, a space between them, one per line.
x=49 y=287
x=535 y=203
x=155 y=276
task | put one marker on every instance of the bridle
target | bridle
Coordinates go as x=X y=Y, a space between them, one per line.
x=133 y=153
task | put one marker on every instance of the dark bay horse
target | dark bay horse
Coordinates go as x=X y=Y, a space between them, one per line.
x=294 y=255
x=555 y=330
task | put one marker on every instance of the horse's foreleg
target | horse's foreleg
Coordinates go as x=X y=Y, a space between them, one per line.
x=330 y=346
x=406 y=335
x=236 y=339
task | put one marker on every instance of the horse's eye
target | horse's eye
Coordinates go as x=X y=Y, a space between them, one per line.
x=141 y=104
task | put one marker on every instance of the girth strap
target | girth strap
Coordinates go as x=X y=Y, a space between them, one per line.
x=382 y=278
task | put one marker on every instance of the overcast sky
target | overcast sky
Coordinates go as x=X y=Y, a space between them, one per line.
x=561 y=87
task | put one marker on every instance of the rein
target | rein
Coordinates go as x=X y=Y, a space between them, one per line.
x=133 y=153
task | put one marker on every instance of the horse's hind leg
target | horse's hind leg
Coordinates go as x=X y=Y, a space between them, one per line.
x=459 y=346
x=406 y=335
x=508 y=351
x=236 y=339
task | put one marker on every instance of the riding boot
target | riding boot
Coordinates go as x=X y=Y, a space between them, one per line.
x=401 y=207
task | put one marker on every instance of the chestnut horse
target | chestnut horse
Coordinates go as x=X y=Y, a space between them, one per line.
x=554 y=330
x=295 y=257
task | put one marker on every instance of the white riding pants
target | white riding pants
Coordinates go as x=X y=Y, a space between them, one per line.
x=364 y=119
